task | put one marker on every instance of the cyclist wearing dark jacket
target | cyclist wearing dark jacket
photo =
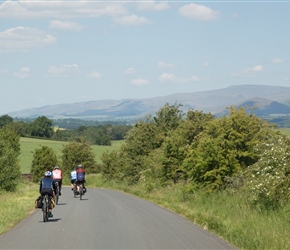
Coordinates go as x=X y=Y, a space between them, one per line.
x=47 y=186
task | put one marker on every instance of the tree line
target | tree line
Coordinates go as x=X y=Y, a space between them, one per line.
x=73 y=154
x=43 y=127
x=44 y=159
x=235 y=153
x=238 y=152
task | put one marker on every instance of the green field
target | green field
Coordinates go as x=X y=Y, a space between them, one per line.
x=285 y=131
x=28 y=145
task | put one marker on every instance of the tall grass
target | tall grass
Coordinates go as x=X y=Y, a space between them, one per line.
x=227 y=215
x=15 y=206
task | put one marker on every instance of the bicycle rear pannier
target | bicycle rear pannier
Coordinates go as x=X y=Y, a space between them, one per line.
x=52 y=203
x=38 y=202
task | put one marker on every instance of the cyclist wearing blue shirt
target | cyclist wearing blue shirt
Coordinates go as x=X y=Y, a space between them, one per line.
x=73 y=178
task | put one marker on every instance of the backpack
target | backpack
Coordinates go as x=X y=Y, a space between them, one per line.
x=80 y=176
x=38 y=202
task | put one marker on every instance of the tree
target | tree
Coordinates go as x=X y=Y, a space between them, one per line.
x=224 y=148
x=168 y=117
x=9 y=162
x=42 y=127
x=76 y=153
x=21 y=127
x=176 y=145
x=44 y=159
x=5 y=119
x=145 y=137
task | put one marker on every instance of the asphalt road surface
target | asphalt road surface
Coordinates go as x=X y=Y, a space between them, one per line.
x=107 y=219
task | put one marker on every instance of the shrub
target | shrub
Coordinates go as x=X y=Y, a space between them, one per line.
x=268 y=180
x=9 y=162
x=44 y=159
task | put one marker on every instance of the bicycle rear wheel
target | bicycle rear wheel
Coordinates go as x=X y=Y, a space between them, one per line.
x=45 y=208
x=75 y=191
x=57 y=194
x=81 y=191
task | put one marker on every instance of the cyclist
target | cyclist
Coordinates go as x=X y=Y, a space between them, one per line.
x=57 y=176
x=81 y=177
x=73 y=177
x=47 y=186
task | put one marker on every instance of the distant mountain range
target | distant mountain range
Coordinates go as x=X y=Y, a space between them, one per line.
x=267 y=100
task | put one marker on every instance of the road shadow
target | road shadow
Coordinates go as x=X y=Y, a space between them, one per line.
x=51 y=220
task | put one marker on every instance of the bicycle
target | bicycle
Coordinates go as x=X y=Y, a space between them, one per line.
x=75 y=190
x=57 y=192
x=45 y=207
x=81 y=190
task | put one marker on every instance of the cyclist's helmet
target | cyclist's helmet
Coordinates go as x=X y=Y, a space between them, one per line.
x=80 y=166
x=56 y=167
x=48 y=174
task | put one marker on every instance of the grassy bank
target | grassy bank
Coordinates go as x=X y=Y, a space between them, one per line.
x=16 y=206
x=228 y=216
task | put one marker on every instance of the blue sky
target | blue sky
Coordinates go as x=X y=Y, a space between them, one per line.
x=55 y=52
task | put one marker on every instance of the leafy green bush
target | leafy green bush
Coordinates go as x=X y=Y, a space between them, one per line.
x=75 y=153
x=9 y=162
x=44 y=159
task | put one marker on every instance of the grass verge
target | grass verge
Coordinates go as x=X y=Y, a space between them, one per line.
x=16 y=206
x=226 y=215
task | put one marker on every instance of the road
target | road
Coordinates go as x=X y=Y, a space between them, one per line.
x=107 y=219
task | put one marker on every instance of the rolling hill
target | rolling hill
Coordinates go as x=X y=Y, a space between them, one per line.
x=268 y=100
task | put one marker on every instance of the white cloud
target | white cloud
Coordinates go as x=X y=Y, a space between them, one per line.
x=129 y=71
x=139 y=82
x=95 y=74
x=167 y=77
x=256 y=68
x=205 y=64
x=249 y=71
x=132 y=20
x=23 y=73
x=64 y=25
x=198 y=12
x=24 y=39
x=163 y=65
x=152 y=5
x=64 y=70
x=59 y=9
x=278 y=60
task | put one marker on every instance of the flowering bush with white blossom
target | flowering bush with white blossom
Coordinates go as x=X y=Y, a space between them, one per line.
x=269 y=178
